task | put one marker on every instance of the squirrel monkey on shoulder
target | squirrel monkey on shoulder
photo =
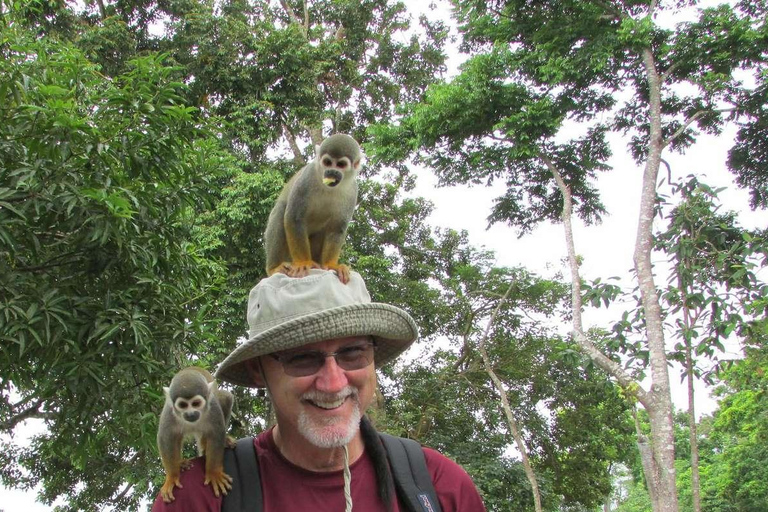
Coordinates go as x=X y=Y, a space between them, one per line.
x=194 y=407
x=308 y=223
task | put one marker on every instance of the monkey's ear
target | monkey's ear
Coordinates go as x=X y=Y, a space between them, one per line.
x=212 y=386
x=167 y=392
x=317 y=152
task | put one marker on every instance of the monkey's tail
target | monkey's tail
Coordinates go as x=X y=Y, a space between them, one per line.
x=384 y=482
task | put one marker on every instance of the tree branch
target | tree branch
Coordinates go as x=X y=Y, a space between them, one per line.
x=582 y=341
x=505 y=403
x=102 y=9
x=52 y=263
x=689 y=122
x=33 y=411
x=295 y=19
x=298 y=157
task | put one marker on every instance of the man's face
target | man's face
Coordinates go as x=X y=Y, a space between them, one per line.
x=324 y=407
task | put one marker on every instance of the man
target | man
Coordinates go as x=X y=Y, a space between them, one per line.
x=313 y=345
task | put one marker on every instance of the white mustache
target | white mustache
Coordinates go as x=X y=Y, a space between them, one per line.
x=319 y=396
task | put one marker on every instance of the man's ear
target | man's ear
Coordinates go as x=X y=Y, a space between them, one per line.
x=254 y=370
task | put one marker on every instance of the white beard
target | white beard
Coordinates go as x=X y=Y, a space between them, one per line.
x=330 y=432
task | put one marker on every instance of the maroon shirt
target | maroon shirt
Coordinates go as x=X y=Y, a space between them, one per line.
x=289 y=487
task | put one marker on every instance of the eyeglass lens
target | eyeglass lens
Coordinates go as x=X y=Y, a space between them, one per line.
x=303 y=364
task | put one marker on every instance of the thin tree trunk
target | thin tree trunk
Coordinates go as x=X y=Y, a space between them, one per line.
x=657 y=402
x=660 y=406
x=688 y=324
x=695 y=480
x=507 y=408
x=298 y=157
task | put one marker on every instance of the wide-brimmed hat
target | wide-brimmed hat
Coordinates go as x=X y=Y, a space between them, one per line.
x=286 y=312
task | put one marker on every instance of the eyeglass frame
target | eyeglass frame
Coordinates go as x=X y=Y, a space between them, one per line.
x=280 y=358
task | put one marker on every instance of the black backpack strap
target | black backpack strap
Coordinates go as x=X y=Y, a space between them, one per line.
x=240 y=463
x=409 y=470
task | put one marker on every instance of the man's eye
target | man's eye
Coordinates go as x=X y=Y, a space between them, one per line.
x=351 y=353
x=306 y=359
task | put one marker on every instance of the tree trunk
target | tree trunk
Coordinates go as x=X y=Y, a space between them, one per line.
x=658 y=401
x=650 y=468
x=529 y=473
x=659 y=404
x=695 y=481
x=688 y=324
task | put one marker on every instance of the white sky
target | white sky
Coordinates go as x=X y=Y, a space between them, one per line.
x=606 y=248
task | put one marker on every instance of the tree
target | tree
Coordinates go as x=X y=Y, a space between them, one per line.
x=99 y=183
x=568 y=420
x=737 y=468
x=540 y=71
x=149 y=232
x=712 y=283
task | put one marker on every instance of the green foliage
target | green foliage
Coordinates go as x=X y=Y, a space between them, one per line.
x=715 y=274
x=453 y=122
x=99 y=184
x=574 y=422
x=738 y=466
x=129 y=239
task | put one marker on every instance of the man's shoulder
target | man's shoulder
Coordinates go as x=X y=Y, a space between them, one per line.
x=194 y=495
x=453 y=485
x=439 y=463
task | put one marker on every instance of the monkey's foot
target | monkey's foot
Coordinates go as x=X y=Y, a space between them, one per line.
x=302 y=268
x=220 y=482
x=283 y=268
x=230 y=442
x=166 y=491
x=341 y=270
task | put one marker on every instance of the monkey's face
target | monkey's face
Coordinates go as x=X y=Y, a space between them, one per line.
x=334 y=169
x=190 y=409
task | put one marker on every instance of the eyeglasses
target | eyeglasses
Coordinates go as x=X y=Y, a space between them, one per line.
x=303 y=364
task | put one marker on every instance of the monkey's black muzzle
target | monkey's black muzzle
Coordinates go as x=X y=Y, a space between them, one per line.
x=192 y=417
x=332 y=177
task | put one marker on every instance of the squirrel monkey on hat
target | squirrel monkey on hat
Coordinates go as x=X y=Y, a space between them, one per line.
x=308 y=223
x=194 y=407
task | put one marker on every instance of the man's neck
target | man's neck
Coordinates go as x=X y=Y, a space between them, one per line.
x=299 y=451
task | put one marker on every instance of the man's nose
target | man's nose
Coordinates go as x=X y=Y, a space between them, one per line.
x=331 y=377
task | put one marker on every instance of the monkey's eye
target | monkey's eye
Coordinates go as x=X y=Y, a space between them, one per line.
x=342 y=164
x=197 y=403
x=327 y=162
x=182 y=405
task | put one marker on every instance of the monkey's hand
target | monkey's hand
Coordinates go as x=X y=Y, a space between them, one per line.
x=186 y=464
x=220 y=482
x=341 y=270
x=302 y=268
x=166 y=491
x=230 y=442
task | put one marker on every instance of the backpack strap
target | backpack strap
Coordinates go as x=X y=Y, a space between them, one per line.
x=409 y=470
x=240 y=463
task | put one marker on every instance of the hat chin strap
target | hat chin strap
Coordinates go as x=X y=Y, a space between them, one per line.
x=347 y=481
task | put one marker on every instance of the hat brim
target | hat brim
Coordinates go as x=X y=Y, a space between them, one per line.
x=392 y=328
